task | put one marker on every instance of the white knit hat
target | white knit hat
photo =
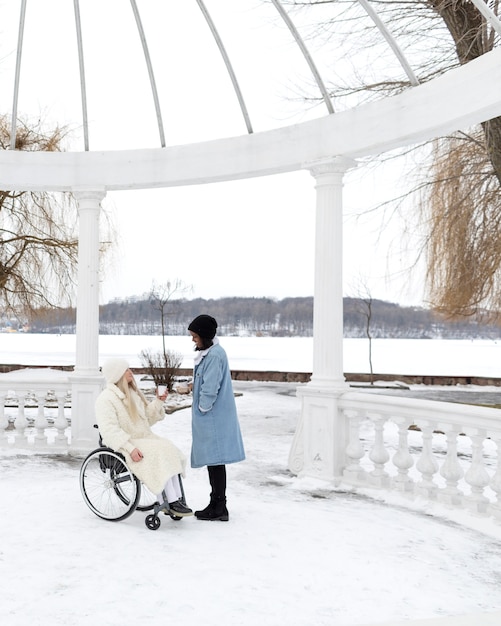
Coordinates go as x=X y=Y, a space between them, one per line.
x=114 y=369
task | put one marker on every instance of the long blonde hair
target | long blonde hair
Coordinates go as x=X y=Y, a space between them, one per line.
x=125 y=388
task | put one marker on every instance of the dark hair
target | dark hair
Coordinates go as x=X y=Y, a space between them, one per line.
x=206 y=343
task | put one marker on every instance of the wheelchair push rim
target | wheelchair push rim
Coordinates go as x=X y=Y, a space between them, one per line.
x=108 y=487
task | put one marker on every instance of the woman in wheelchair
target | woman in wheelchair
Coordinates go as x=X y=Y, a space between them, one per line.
x=124 y=417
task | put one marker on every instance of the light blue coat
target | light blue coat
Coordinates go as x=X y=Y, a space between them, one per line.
x=217 y=439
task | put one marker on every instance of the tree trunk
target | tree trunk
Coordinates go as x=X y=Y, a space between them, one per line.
x=472 y=39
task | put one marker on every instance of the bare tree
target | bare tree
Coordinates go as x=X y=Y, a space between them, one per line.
x=163 y=366
x=365 y=300
x=38 y=245
x=162 y=295
x=38 y=233
x=460 y=189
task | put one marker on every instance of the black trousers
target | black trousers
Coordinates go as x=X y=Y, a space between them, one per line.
x=217 y=479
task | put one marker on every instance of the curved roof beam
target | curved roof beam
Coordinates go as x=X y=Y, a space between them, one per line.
x=13 y=129
x=391 y=41
x=227 y=62
x=412 y=116
x=489 y=15
x=306 y=54
x=150 y=71
x=83 y=88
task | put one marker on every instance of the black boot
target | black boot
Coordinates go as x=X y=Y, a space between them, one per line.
x=208 y=508
x=216 y=511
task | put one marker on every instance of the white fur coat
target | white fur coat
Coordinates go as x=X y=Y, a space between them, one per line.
x=161 y=458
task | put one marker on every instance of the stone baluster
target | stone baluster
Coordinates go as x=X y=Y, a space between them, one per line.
x=427 y=464
x=40 y=424
x=60 y=423
x=495 y=484
x=452 y=471
x=21 y=422
x=379 y=455
x=353 y=471
x=476 y=476
x=402 y=459
x=4 y=422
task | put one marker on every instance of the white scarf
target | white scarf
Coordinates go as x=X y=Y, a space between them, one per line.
x=201 y=353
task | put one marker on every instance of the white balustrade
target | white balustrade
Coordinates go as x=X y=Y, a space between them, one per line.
x=61 y=422
x=477 y=476
x=40 y=422
x=402 y=459
x=427 y=464
x=354 y=450
x=32 y=409
x=21 y=423
x=379 y=455
x=439 y=451
x=451 y=470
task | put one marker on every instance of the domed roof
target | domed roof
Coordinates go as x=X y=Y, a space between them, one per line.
x=138 y=74
x=147 y=74
x=203 y=78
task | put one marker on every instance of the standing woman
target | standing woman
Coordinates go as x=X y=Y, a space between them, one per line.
x=124 y=418
x=217 y=440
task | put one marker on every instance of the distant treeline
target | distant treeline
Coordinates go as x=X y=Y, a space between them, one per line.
x=269 y=317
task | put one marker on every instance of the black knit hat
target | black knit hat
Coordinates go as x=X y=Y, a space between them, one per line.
x=204 y=326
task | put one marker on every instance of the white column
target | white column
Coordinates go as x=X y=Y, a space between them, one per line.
x=328 y=292
x=319 y=445
x=87 y=344
x=86 y=379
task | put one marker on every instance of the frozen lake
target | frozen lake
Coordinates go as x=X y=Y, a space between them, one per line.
x=433 y=357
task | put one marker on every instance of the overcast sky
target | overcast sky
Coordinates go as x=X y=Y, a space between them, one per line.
x=245 y=238
x=254 y=238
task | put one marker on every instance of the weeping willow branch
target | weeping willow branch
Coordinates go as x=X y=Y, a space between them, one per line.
x=460 y=192
x=461 y=208
x=38 y=239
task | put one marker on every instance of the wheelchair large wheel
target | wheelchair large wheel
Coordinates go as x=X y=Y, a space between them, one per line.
x=108 y=487
x=147 y=500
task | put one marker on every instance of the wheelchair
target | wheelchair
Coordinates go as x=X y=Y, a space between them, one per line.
x=113 y=493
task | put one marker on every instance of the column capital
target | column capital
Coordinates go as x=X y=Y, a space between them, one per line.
x=331 y=165
x=95 y=195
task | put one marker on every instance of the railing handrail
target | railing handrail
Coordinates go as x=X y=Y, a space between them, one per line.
x=41 y=376
x=456 y=414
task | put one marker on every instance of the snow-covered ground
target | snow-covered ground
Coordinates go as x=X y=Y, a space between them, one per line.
x=294 y=552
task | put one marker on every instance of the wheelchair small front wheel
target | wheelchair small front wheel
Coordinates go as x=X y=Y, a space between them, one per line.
x=152 y=522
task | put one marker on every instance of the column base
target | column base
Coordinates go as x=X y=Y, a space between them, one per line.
x=319 y=444
x=85 y=387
